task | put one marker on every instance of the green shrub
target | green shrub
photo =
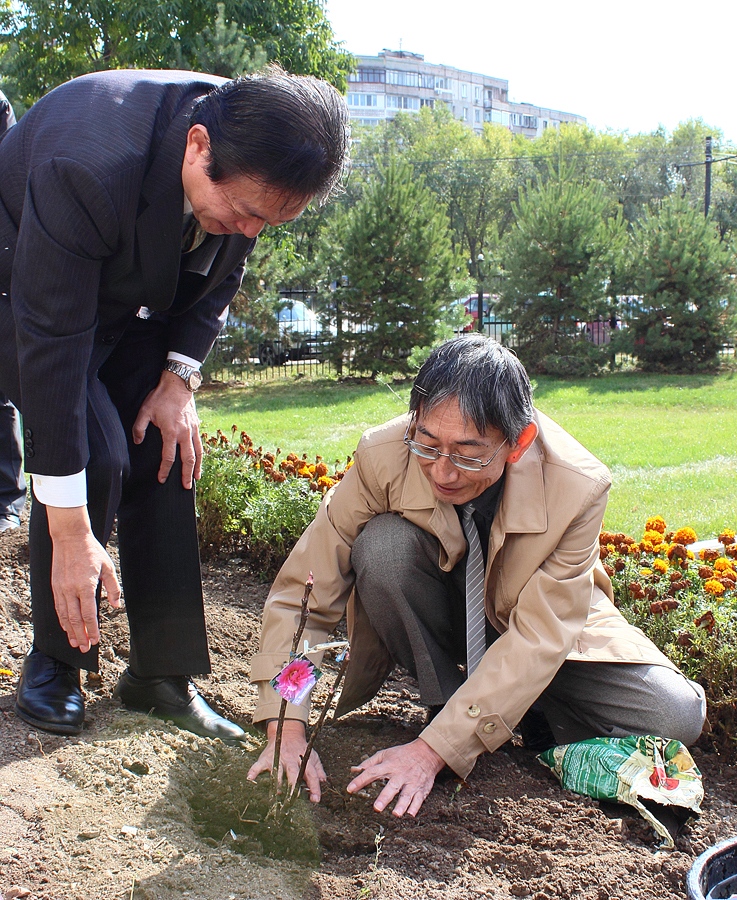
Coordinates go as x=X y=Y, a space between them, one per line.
x=254 y=503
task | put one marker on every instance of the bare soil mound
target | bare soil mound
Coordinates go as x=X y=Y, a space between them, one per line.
x=134 y=808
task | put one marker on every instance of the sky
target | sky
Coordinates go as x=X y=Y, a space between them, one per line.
x=630 y=65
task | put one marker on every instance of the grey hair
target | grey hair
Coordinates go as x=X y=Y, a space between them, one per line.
x=487 y=380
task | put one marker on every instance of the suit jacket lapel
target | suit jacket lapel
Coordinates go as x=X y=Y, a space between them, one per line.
x=159 y=223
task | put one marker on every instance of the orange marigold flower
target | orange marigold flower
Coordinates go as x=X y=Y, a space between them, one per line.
x=708 y=555
x=655 y=523
x=706 y=572
x=723 y=564
x=646 y=546
x=321 y=469
x=731 y=550
x=278 y=477
x=620 y=565
x=655 y=537
x=636 y=590
x=660 y=565
x=726 y=537
x=714 y=587
x=349 y=464
x=324 y=482
x=609 y=570
x=684 y=536
x=677 y=551
x=603 y=552
x=706 y=621
x=730 y=576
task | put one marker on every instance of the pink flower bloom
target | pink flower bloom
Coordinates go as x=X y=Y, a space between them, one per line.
x=296 y=680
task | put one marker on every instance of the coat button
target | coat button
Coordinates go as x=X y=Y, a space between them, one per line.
x=30 y=451
x=489 y=727
x=474 y=711
x=28 y=433
x=108 y=338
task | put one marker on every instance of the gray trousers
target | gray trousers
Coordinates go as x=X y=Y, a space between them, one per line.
x=418 y=611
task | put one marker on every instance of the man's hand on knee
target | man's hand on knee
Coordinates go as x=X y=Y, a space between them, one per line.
x=79 y=563
x=171 y=408
x=409 y=771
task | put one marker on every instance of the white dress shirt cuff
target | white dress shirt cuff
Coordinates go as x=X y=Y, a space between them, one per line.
x=61 y=490
x=187 y=360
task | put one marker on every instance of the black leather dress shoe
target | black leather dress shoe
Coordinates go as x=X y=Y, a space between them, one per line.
x=49 y=696
x=178 y=700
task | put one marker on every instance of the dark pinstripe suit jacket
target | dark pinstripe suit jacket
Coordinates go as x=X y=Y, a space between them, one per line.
x=91 y=205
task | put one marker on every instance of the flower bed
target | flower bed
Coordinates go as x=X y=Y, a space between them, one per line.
x=684 y=597
x=256 y=504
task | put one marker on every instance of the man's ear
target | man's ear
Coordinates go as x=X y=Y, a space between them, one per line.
x=198 y=143
x=524 y=442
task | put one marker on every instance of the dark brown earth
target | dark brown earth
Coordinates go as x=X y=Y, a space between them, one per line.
x=134 y=808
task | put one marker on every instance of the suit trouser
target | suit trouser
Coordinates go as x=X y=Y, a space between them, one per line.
x=156 y=524
x=418 y=611
x=12 y=482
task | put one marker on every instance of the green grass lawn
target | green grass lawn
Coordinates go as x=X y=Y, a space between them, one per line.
x=670 y=441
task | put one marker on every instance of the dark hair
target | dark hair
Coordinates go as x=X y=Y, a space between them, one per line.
x=289 y=132
x=488 y=381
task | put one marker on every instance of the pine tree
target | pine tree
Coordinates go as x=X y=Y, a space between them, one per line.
x=557 y=261
x=394 y=251
x=684 y=276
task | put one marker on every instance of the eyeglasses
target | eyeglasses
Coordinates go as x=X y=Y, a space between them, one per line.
x=468 y=463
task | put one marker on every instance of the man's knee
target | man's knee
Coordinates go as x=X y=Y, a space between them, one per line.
x=680 y=703
x=391 y=550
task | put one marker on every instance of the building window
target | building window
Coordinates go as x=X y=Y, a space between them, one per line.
x=363 y=100
x=407 y=79
x=395 y=101
x=464 y=90
x=477 y=116
x=429 y=103
x=476 y=93
x=465 y=114
x=427 y=81
x=522 y=121
x=374 y=76
x=497 y=116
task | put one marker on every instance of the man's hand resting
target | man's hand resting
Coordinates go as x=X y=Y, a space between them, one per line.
x=293 y=746
x=409 y=771
x=79 y=562
x=171 y=408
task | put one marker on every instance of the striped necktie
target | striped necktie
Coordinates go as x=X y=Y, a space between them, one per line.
x=475 y=614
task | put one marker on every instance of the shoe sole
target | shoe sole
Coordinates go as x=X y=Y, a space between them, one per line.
x=47 y=726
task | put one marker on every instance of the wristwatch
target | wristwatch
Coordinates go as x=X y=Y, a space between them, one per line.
x=190 y=376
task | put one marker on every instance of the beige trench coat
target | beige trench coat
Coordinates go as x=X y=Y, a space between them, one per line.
x=546 y=592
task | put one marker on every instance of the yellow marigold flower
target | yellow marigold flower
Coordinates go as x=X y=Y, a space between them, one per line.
x=646 y=546
x=690 y=554
x=714 y=587
x=660 y=565
x=655 y=537
x=726 y=536
x=646 y=572
x=325 y=482
x=655 y=523
x=684 y=536
x=722 y=564
x=610 y=548
x=349 y=465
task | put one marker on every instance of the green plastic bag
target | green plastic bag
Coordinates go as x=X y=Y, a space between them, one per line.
x=631 y=770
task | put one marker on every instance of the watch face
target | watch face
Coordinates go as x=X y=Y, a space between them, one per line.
x=194 y=380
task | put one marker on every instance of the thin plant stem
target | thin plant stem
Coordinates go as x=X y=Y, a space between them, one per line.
x=304 y=614
x=316 y=730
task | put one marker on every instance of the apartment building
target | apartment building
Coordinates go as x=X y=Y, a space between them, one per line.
x=400 y=81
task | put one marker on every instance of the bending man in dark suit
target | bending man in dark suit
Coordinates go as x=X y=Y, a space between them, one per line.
x=12 y=483
x=128 y=203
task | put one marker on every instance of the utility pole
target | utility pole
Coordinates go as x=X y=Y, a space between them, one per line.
x=707 y=178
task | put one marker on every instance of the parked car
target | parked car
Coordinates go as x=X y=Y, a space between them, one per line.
x=471 y=305
x=298 y=338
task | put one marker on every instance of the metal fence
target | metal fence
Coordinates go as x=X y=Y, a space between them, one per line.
x=231 y=359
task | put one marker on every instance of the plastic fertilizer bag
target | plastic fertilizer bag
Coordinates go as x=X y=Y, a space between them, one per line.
x=634 y=770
